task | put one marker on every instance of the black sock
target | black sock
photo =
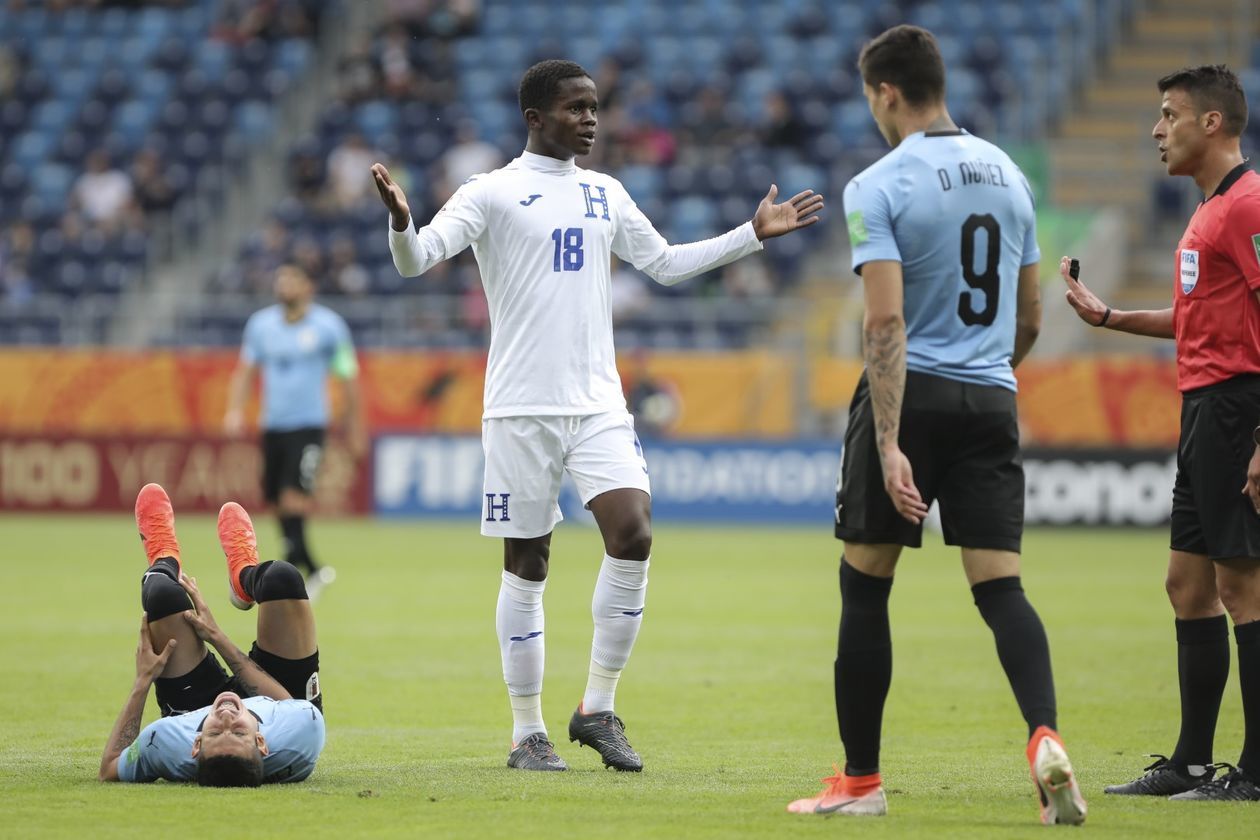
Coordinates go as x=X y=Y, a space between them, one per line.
x=295 y=551
x=1202 y=670
x=1022 y=647
x=273 y=581
x=863 y=667
x=1248 y=638
x=160 y=592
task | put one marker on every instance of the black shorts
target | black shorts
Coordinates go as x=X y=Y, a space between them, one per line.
x=199 y=687
x=962 y=440
x=1210 y=515
x=291 y=459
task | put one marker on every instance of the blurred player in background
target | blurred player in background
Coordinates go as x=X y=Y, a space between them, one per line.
x=296 y=344
x=543 y=232
x=221 y=731
x=943 y=235
x=1214 y=563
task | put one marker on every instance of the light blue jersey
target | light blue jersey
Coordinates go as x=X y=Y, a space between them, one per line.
x=295 y=359
x=294 y=730
x=958 y=215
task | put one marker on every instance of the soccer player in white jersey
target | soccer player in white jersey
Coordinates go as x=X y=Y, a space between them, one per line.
x=543 y=231
x=944 y=237
x=264 y=724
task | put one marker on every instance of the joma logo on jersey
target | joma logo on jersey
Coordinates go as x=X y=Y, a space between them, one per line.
x=531 y=199
x=501 y=506
x=591 y=201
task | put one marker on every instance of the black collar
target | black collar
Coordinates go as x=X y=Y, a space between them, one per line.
x=948 y=132
x=251 y=711
x=1231 y=179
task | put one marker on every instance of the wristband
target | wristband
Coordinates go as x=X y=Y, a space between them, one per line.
x=1105 y=317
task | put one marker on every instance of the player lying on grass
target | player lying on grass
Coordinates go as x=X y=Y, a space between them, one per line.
x=239 y=731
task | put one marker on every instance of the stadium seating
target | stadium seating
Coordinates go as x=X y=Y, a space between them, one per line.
x=181 y=83
x=170 y=80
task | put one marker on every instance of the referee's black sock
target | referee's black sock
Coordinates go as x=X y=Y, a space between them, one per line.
x=274 y=580
x=295 y=551
x=863 y=667
x=1202 y=669
x=1248 y=638
x=1022 y=647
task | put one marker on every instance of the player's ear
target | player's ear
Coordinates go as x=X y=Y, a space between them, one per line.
x=1212 y=121
x=262 y=743
x=533 y=118
x=196 y=750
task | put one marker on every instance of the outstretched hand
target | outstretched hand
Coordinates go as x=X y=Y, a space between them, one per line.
x=150 y=663
x=798 y=211
x=199 y=618
x=1088 y=306
x=392 y=195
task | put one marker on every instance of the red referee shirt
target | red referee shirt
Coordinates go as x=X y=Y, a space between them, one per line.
x=1216 y=316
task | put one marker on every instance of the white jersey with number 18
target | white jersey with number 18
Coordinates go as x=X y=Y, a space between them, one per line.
x=542 y=231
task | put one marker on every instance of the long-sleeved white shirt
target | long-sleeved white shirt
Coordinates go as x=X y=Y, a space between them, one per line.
x=542 y=231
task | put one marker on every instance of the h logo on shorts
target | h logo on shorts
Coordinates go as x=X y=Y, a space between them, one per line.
x=501 y=506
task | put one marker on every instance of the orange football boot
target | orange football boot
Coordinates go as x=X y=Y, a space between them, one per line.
x=1060 y=797
x=240 y=546
x=155 y=519
x=861 y=796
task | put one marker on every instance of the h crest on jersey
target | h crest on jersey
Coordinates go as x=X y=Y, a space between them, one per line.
x=1189 y=270
x=591 y=201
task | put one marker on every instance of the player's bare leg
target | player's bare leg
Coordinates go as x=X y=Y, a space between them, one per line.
x=1202 y=669
x=863 y=673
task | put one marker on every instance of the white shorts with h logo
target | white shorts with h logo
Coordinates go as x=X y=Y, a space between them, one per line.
x=526 y=457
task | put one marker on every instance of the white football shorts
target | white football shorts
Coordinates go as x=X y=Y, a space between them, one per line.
x=526 y=457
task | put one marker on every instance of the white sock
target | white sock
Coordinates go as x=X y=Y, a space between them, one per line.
x=617 y=607
x=519 y=622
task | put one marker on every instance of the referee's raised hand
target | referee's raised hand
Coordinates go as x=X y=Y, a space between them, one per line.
x=1088 y=306
x=393 y=197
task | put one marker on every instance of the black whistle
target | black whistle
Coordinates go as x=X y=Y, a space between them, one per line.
x=1074 y=269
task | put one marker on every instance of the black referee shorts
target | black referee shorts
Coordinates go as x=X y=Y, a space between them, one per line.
x=962 y=440
x=291 y=459
x=1210 y=515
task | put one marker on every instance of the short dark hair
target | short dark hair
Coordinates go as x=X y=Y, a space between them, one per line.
x=230 y=771
x=539 y=84
x=1212 y=87
x=908 y=58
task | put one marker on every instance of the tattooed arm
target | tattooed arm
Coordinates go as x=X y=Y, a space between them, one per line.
x=254 y=679
x=884 y=349
x=149 y=665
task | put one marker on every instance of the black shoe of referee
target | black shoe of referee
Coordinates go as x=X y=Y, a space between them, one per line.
x=1163 y=778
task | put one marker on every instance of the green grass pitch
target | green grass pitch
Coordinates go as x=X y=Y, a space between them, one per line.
x=728 y=695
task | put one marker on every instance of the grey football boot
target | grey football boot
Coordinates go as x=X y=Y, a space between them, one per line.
x=605 y=733
x=535 y=752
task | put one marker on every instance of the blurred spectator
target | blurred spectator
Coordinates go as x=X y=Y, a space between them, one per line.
x=308 y=256
x=655 y=403
x=10 y=72
x=357 y=77
x=271 y=20
x=307 y=176
x=349 y=277
x=103 y=193
x=629 y=295
x=16 y=248
x=470 y=155
x=153 y=189
x=709 y=133
x=398 y=76
x=781 y=127
x=349 y=171
x=435 y=18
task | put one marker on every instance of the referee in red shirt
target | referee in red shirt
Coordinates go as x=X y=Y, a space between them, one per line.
x=1214 y=565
